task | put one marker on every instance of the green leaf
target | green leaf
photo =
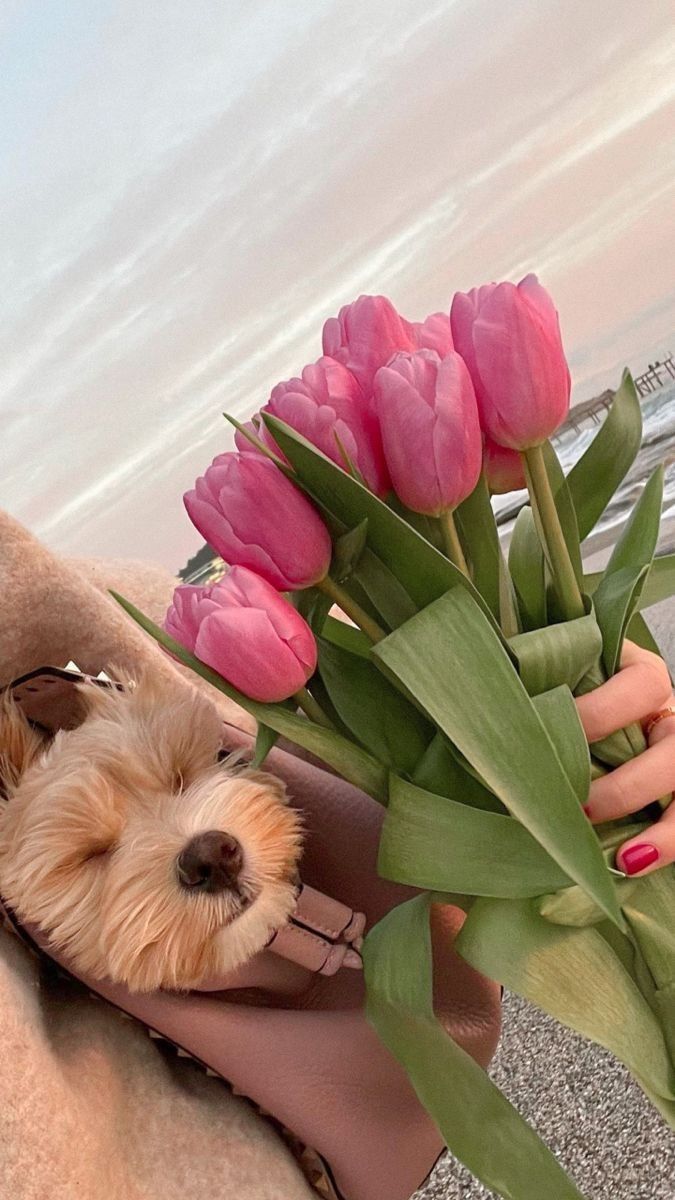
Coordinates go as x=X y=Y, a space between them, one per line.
x=660 y=583
x=387 y=596
x=440 y=844
x=347 y=551
x=266 y=740
x=341 y=633
x=594 y=479
x=428 y=527
x=376 y=714
x=565 y=508
x=574 y=975
x=557 y=654
x=636 y=544
x=617 y=594
x=616 y=600
x=313 y=605
x=528 y=570
x=639 y=632
x=559 y=715
x=353 y=763
x=618 y=747
x=421 y=570
x=480 y=539
x=476 y=1120
x=489 y=716
x=445 y=772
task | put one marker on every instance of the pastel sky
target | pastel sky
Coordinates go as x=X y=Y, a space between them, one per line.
x=188 y=190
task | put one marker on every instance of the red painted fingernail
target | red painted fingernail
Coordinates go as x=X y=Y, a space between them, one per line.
x=636 y=858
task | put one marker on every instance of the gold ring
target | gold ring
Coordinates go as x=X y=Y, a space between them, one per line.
x=659 y=716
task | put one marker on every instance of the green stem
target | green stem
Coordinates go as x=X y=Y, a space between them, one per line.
x=541 y=495
x=453 y=546
x=311 y=709
x=349 y=606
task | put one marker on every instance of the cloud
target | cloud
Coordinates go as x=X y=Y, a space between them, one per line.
x=181 y=246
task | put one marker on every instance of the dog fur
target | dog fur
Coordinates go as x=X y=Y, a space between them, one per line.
x=94 y=823
x=90 y=1106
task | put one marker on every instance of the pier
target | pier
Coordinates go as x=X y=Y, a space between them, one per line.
x=656 y=375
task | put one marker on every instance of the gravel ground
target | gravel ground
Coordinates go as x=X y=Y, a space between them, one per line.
x=581 y=1101
x=584 y=1105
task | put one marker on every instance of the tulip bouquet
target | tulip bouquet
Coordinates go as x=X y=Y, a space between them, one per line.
x=363 y=489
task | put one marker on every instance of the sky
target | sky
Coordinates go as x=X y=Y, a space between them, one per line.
x=188 y=191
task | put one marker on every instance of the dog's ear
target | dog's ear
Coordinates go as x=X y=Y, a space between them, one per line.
x=20 y=744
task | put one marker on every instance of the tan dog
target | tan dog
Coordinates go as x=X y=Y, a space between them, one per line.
x=147 y=860
x=90 y=1107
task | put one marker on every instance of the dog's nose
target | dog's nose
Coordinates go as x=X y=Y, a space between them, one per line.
x=211 y=862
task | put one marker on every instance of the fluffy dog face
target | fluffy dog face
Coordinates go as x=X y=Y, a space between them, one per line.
x=146 y=860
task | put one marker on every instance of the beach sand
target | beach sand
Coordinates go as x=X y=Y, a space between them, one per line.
x=580 y=1100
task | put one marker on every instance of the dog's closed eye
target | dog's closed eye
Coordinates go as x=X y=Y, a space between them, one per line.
x=99 y=853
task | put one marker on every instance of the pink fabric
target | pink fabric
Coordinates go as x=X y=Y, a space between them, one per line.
x=319 y=1067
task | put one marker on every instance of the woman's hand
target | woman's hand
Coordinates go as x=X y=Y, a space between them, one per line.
x=640 y=690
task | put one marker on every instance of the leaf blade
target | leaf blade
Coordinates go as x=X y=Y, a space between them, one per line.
x=495 y=725
x=442 y=845
x=594 y=479
x=513 y=1161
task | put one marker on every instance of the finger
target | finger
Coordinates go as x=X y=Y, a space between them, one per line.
x=641 y=687
x=651 y=849
x=634 y=784
x=666 y=726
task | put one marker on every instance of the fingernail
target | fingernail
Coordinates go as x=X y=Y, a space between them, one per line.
x=636 y=858
x=587 y=810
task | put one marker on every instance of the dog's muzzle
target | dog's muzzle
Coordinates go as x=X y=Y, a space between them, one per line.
x=210 y=863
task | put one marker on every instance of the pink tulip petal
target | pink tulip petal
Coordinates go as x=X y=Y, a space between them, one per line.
x=253 y=515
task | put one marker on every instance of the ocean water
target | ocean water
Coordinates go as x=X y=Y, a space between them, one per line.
x=658 y=446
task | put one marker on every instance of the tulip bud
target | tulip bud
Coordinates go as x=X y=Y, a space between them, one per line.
x=253 y=516
x=190 y=605
x=365 y=335
x=504 y=470
x=248 y=633
x=509 y=338
x=325 y=405
x=430 y=430
x=434 y=333
x=254 y=427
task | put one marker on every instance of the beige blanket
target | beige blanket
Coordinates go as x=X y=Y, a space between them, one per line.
x=90 y=1108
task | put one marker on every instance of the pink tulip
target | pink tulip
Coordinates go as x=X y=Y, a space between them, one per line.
x=434 y=333
x=509 y=338
x=248 y=633
x=253 y=516
x=190 y=605
x=503 y=468
x=430 y=430
x=242 y=442
x=365 y=335
x=326 y=404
